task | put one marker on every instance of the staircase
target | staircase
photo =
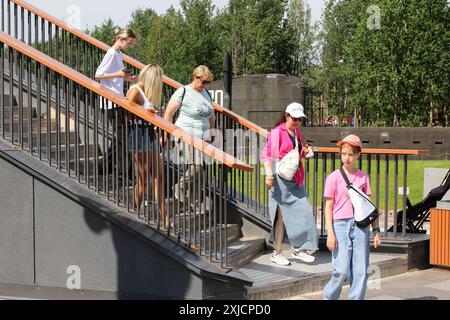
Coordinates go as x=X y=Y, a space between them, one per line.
x=52 y=127
x=45 y=118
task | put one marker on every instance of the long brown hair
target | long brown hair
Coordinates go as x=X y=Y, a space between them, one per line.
x=282 y=118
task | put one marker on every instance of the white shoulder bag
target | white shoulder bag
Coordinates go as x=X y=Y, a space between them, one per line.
x=364 y=209
x=288 y=166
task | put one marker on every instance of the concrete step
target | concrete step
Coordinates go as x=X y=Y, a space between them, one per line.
x=34 y=125
x=245 y=250
x=195 y=236
x=6 y=112
x=272 y=282
x=43 y=137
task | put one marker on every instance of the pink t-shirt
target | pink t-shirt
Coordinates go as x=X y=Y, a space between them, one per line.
x=336 y=188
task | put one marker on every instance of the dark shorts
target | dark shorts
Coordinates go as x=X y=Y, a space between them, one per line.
x=142 y=138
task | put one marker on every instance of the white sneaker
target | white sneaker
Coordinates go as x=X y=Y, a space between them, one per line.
x=278 y=258
x=303 y=256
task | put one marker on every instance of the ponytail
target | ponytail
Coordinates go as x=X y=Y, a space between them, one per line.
x=124 y=33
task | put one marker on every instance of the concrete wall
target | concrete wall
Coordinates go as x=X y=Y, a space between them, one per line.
x=437 y=140
x=44 y=234
x=261 y=98
x=432 y=179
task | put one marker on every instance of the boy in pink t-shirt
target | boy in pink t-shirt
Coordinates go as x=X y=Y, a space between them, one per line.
x=348 y=243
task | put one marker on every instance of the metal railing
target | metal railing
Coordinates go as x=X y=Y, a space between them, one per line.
x=236 y=136
x=387 y=169
x=186 y=200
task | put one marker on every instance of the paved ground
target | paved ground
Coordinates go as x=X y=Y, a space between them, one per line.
x=430 y=284
x=264 y=272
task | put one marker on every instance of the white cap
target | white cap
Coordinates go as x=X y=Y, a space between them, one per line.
x=295 y=110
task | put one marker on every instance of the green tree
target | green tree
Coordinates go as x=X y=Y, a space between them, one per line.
x=167 y=45
x=392 y=74
x=141 y=22
x=105 y=31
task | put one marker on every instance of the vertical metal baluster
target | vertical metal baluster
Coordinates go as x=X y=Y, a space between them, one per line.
x=322 y=207
x=307 y=177
x=127 y=166
x=3 y=20
x=133 y=163
x=378 y=167
x=386 y=195
x=124 y=140
x=49 y=114
x=77 y=129
x=36 y=32
x=58 y=121
x=89 y=111
x=148 y=177
x=2 y=81
x=30 y=96
x=103 y=111
x=8 y=5
x=11 y=94
x=50 y=39
x=95 y=138
x=395 y=196
x=30 y=42
x=225 y=212
x=39 y=108
x=22 y=24
x=315 y=183
x=68 y=132
x=405 y=188
x=221 y=215
x=258 y=175
x=115 y=154
x=212 y=197
x=20 y=115
x=216 y=205
x=86 y=138
x=16 y=35
x=201 y=189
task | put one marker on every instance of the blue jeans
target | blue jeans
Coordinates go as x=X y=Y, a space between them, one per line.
x=350 y=261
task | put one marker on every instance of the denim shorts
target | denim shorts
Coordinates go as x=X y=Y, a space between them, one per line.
x=142 y=139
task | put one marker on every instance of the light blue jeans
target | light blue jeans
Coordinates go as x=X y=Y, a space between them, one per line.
x=350 y=261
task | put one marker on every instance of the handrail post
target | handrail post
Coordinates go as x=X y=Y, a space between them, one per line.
x=405 y=186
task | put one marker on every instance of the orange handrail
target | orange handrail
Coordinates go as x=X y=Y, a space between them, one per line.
x=134 y=108
x=394 y=152
x=246 y=123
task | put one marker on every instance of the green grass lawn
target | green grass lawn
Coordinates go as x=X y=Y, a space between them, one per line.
x=415 y=179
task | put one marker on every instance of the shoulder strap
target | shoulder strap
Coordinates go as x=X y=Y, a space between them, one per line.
x=296 y=139
x=209 y=94
x=345 y=177
x=182 y=96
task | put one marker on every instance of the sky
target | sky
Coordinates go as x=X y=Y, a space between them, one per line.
x=85 y=14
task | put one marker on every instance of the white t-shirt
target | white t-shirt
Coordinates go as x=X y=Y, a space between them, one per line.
x=112 y=63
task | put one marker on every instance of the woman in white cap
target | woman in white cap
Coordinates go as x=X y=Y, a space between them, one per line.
x=289 y=207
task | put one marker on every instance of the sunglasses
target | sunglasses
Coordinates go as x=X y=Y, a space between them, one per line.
x=204 y=82
x=295 y=119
